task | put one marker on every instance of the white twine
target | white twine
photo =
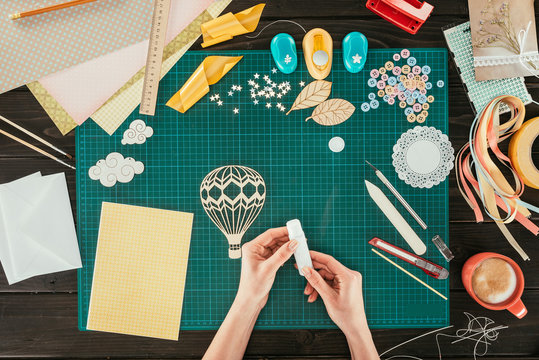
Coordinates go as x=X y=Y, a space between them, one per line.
x=479 y=330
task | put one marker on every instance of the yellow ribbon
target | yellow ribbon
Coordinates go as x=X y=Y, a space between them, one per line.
x=227 y=26
x=212 y=69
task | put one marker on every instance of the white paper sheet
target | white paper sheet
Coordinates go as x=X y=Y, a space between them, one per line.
x=83 y=88
x=37 y=231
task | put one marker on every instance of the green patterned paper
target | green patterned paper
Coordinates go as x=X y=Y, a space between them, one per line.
x=304 y=180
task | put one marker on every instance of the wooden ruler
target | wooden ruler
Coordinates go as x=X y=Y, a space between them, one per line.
x=152 y=73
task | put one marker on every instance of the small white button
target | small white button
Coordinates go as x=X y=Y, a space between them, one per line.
x=336 y=144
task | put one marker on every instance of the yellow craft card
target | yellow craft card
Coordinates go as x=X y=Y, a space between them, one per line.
x=139 y=272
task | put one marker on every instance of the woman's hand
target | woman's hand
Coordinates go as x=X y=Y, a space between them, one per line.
x=339 y=287
x=261 y=259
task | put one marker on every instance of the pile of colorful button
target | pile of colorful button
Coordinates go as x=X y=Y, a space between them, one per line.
x=409 y=84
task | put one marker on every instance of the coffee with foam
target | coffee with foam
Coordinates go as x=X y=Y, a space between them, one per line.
x=494 y=281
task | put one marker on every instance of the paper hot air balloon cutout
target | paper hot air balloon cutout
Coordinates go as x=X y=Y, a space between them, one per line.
x=233 y=196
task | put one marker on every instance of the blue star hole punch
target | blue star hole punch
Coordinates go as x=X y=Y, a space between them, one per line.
x=354 y=47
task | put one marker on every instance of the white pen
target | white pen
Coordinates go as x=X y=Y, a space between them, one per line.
x=398 y=196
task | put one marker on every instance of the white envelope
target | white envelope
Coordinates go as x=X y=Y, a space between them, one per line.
x=37 y=231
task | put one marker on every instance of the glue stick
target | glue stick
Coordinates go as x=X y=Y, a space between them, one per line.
x=302 y=256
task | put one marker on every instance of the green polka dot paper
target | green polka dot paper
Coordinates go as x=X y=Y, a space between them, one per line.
x=43 y=44
x=459 y=41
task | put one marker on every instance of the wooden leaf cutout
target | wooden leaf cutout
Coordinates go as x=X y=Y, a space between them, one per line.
x=332 y=112
x=312 y=95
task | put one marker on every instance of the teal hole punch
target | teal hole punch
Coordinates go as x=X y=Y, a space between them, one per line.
x=355 y=46
x=283 y=49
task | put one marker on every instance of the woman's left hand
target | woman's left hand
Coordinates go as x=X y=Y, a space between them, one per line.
x=261 y=259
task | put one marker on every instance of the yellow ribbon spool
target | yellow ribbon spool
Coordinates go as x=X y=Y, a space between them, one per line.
x=520 y=152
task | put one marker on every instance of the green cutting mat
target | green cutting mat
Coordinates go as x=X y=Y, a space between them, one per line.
x=304 y=180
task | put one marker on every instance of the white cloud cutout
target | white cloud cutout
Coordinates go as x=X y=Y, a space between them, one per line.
x=137 y=133
x=115 y=168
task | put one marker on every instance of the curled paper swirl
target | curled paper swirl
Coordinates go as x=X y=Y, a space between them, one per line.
x=115 y=168
x=212 y=69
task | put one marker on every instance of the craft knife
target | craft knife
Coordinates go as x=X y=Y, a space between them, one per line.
x=430 y=268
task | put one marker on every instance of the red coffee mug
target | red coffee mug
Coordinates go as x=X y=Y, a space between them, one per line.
x=513 y=304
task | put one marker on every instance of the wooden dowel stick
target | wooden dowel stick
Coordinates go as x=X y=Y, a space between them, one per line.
x=410 y=274
x=36 y=149
x=45 y=142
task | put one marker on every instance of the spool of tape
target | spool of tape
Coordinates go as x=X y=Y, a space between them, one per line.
x=520 y=152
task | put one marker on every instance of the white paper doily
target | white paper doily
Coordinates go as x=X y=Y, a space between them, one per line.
x=423 y=157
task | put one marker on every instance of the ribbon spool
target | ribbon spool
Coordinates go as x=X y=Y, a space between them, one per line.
x=520 y=152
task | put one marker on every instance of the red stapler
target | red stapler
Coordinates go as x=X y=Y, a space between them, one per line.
x=409 y=15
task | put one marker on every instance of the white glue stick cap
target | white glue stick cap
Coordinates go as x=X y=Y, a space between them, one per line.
x=302 y=256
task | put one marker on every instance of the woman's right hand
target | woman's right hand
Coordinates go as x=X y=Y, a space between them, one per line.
x=341 y=290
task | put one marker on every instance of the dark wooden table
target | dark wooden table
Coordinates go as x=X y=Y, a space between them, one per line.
x=38 y=317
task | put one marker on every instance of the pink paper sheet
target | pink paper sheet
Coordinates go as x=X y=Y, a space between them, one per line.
x=84 y=88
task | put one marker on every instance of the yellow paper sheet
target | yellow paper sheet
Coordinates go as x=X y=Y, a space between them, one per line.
x=140 y=269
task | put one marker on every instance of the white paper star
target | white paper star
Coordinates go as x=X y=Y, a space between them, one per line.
x=251 y=82
x=268 y=105
x=219 y=103
x=253 y=95
x=283 y=108
x=266 y=77
x=230 y=93
x=257 y=86
x=212 y=98
x=302 y=83
x=287 y=59
x=255 y=101
x=256 y=76
x=357 y=58
x=239 y=88
x=274 y=71
x=236 y=110
x=279 y=105
x=279 y=95
x=216 y=96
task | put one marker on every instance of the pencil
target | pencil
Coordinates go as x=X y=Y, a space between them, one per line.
x=410 y=274
x=48 y=8
x=36 y=149
x=44 y=142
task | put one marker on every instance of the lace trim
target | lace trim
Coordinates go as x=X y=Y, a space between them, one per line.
x=505 y=60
